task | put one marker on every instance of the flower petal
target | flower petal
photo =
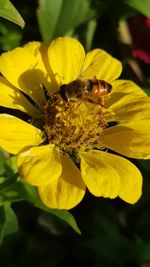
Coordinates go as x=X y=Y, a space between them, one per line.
x=130 y=179
x=11 y=97
x=41 y=165
x=119 y=177
x=16 y=135
x=123 y=87
x=99 y=176
x=102 y=65
x=129 y=107
x=66 y=56
x=40 y=51
x=19 y=68
x=131 y=139
x=65 y=192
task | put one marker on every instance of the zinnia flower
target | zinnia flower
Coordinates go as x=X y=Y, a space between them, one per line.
x=62 y=146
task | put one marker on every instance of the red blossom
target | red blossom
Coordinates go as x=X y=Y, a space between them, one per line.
x=140 y=30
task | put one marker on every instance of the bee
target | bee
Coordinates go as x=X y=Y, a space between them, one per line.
x=91 y=90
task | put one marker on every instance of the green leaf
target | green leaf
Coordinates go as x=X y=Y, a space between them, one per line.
x=9 y=174
x=62 y=17
x=12 y=193
x=73 y=13
x=8 y=178
x=89 y=33
x=11 y=225
x=2 y=223
x=30 y=194
x=2 y=162
x=6 y=182
x=10 y=35
x=19 y=191
x=141 y=6
x=11 y=164
x=9 y=12
x=12 y=190
x=85 y=33
x=48 y=14
x=8 y=222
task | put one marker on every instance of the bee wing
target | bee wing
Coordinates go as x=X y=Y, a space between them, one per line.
x=100 y=65
x=89 y=74
x=89 y=70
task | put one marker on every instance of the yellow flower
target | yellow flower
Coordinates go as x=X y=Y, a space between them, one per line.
x=62 y=147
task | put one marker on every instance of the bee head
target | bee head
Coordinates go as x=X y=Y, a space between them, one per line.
x=62 y=92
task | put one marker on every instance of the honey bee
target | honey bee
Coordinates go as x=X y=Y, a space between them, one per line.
x=91 y=90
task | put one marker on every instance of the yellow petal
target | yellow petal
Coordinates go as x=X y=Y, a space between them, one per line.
x=19 y=68
x=66 y=56
x=100 y=176
x=123 y=87
x=41 y=165
x=16 y=135
x=102 y=65
x=131 y=139
x=40 y=51
x=111 y=167
x=130 y=176
x=130 y=179
x=131 y=106
x=65 y=192
x=123 y=92
x=11 y=97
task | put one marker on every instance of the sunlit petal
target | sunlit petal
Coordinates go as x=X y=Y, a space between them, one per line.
x=117 y=176
x=130 y=139
x=121 y=88
x=65 y=192
x=16 y=135
x=101 y=65
x=19 y=68
x=131 y=107
x=66 y=56
x=40 y=51
x=41 y=165
x=99 y=176
x=11 y=97
x=130 y=176
x=130 y=179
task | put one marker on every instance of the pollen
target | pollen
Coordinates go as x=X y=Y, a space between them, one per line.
x=74 y=126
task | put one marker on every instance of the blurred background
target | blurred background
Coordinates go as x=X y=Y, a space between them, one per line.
x=113 y=233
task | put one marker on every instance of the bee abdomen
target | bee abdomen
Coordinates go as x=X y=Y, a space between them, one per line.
x=105 y=86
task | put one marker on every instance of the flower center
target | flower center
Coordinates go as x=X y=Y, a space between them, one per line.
x=74 y=125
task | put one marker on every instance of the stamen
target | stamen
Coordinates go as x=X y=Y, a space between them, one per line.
x=74 y=126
